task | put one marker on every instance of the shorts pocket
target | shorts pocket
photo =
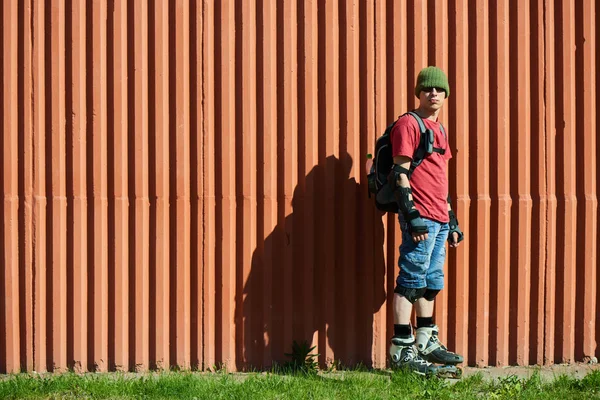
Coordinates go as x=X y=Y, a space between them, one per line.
x=414 y=258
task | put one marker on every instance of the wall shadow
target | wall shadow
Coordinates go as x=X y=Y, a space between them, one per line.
x=318 y=276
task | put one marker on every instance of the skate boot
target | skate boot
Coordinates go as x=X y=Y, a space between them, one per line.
x=403 y=354
x=432 y=350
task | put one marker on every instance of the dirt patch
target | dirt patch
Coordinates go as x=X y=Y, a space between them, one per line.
x=547 y=373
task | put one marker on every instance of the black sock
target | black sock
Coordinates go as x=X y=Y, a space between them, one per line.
x=402 y=330
x=424 y=322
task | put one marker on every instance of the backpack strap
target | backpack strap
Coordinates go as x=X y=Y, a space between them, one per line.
x=426 y=143
x=421 y=151
x=419 y=121
x=437 y=149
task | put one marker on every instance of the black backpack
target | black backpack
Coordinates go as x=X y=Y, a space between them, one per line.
x=382 y=163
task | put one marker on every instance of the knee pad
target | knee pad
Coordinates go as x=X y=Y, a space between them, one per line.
x=410 y=294
x=430 y=294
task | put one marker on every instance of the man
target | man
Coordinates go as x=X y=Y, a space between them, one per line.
x=427 y=221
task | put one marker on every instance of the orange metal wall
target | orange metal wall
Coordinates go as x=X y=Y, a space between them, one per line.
x=183 y=181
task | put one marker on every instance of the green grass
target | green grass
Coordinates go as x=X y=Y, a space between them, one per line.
x=376 y=384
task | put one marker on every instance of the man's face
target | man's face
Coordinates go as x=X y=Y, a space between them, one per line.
x=432 y=98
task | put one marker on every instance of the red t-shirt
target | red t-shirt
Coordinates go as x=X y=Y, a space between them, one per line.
x=428 y=181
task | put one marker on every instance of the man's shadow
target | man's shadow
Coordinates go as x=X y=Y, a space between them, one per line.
x=318 y=276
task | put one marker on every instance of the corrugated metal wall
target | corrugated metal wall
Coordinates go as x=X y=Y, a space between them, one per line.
x=183 y=181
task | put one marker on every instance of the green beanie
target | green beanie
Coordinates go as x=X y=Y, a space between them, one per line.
x=432 y=77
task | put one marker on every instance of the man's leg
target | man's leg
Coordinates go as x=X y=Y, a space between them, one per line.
x=403 y=353
x=427 y=332
x=402 y=310
x=413 y=267
x=424 y=308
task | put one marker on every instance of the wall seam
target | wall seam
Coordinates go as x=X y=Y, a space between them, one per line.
x=375 y=55
x=547 y=178
x=34 y=157
x=204 y=180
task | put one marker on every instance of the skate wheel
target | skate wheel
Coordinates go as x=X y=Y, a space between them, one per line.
x=449 y=371
x=459 y=372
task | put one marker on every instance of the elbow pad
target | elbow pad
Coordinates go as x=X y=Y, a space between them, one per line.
x=395 y=173
x=401 y=194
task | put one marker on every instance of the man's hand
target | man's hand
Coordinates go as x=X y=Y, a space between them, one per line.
x=417 y=226
x=455 y=235
x=453 y=240
x=418 y=237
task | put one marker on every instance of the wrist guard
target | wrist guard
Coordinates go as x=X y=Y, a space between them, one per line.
x=415 y=222
x=402 y=195
x=403 y=198
x=408 y=210
x=453 y=225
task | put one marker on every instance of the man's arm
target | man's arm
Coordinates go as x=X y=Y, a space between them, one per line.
x=403 y=162
x=404 y=198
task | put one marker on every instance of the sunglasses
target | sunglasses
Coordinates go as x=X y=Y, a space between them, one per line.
x=430 y=89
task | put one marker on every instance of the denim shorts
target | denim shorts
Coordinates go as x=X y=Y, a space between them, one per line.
x=422 y=264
